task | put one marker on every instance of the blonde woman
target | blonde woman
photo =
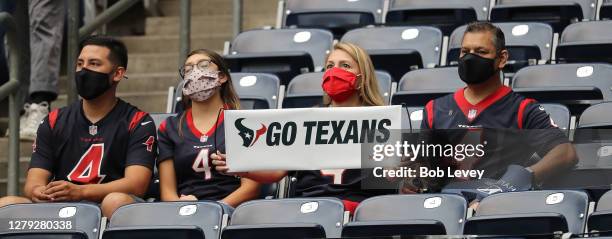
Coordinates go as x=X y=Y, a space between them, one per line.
x=349 y=81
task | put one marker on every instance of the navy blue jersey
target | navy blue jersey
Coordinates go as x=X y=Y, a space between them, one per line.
x=72 y=148
x=190 y=151
x=511 y=127
x=344 y=184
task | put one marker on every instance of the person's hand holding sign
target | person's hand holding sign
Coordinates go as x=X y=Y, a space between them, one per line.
x=218 y=161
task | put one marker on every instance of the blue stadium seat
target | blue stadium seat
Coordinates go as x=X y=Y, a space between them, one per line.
x=557 y=13
x=338 y=16
x=397 y=50
x=408 y=215
x=256 y=90
x=418 y=87
x=605 y=12
x=284 y=52
x=586 y=42
x=527 y=43
x=305 y=90
x=530 y=213
x=287 y=218
x=51 y=220
x=443 y=14
x=601 y=220
x=574 y=85
x=177 y=220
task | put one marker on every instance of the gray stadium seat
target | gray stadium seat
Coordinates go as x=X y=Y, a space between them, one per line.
x=287 y=218
x=305 y=90
x=417 y=87
x=153 y=193
x=397 y=50
x=284 y=52
x=256 y=90
x=338 y=16
x=574 y=85
x=74 y=221
x=526 y=42
x=177 y=220
x=416 y=214
x=443 y=14
x=530 y=213
x=560 y=114
x=605 y=12
x=557 y=13
x=158 y=118
x=601 y=219
x=586 y=42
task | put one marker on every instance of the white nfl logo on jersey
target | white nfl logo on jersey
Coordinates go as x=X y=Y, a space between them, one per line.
x=93 y=130
x=204 y=138
x=472 y=114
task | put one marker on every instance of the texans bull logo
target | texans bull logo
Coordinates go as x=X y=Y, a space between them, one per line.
x=249 y=137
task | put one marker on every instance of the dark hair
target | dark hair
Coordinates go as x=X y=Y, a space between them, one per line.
x=228 y=93
x=499 y=40
x=118 y=51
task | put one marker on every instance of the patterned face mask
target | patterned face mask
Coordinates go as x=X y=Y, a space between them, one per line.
x=200 y=85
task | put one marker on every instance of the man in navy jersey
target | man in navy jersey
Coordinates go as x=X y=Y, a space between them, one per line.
x=94 y=147
x=511 y=127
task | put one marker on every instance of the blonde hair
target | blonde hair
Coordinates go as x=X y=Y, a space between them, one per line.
x=367 y=85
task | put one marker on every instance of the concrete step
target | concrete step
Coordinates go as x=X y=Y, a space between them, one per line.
x=3 y=186
x=199 y=25
x=153 y=63
x=170 y=44
x=154 y=101
x=143 y=82
x=25 y=149
x=265 y=9
x=24 y=164
x=198 y=7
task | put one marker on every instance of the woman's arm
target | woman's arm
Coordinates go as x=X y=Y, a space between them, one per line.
x=218 y=161
x=248 y=190
x=167 y=181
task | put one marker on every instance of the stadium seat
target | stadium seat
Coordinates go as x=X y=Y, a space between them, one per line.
x=605 y=12
x=177 y=220
x=418 y=87
x=574 y=85
x=443 y=14
x=557 y=13
x=153 y=193
x=305 y=90
x=416 y=116
x=51 y=220
x=560 y=114
x=586 y=42
x=256 y=90
x=287 y=218
x=398 y=50
x=338 y=16
x=416 y=214
x=601 y=219
x=526 y=42
x=284 y=52
x=530 y=213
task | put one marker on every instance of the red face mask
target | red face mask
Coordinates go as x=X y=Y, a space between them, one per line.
x=339 y=84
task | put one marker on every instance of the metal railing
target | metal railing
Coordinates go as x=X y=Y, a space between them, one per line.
x=12 y=90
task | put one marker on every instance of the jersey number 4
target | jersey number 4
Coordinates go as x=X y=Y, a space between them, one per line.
x=89 y=166
x=201 y=164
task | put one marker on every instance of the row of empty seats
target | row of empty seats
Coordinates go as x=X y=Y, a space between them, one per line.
x=397 y=50
x=544 y=213
x=340 y=16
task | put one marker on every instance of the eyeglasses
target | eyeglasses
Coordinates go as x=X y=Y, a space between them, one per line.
x=202 y=65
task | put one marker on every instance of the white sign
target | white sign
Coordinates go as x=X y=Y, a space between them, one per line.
x=306 y=138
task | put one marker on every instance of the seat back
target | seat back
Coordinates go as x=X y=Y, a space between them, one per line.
x=427 y=41
x=51 y=220
x=557 y=13
x=530 y=212
x=416 y=88
x=560 y=114
x=315 y=42
x=281 y=214
x=256 y=90
x=448 y=209
x=527 y=42
x=586 y=42
x=171 y=218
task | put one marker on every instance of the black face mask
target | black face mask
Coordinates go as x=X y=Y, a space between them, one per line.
x=474 y=69
x=91 y=84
